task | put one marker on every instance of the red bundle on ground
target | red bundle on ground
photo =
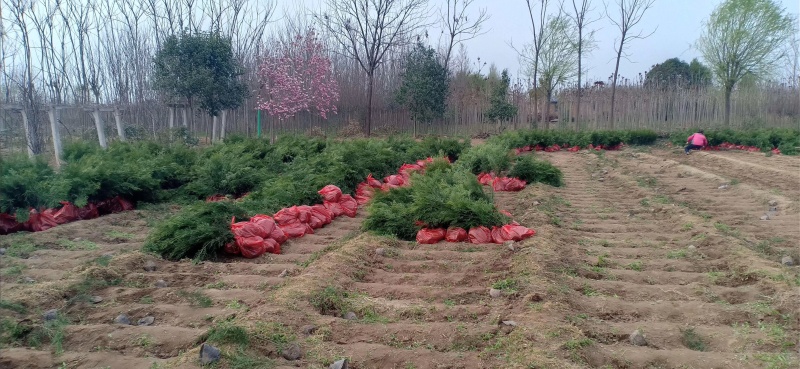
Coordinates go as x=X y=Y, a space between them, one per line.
x=485 y=178
x=38 y=222
x=508 y=184
x=349 y=205
x=480 y=234
x=553 y=148
x=248 y=230
x=776 y=151
x=251 y=247
x=9 y=224
x=335 y=208
x=364 y=193
x=527 y=148
x=297 y=229
x=265 y=223
x=575 y=148
x=516 y=232
x=114 y=205
x=304 y=213
x=320 y=216
x=456 y=234
x=372 y=182
x=215 y=198
x=330 y=193
x=497 y=236
x=430 y=236
x=538 y=148
x=395 y=181
x=753 y=149
x=407 y=169
x=287 y=216
x=271 y=246
x=232 y=248
x=89 y=211
x=278 y=235
x=67 y=213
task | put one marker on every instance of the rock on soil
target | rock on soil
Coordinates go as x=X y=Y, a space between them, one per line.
x=96 y=299
x=122 y=319
x=339 y=364
x=773 y=203
x=161 y=283
x=208 y=354
x=787 y=260
x=510 y=323
x=308 y=329
x=692 y=248
x=765 y=217
x=150 y=266
x=637 y=338
x=51 y=314
x=351 y=316
x=380 y=251
x=28 y=280
x=495 y=293
x=292 y=352
x=148 y=320
x=2 y=251
x=284 y=273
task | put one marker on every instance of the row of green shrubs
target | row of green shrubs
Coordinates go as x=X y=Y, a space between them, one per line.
x=493 y=157
x=521 y=138
x=787 y=140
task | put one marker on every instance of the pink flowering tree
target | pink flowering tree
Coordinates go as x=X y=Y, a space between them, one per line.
x=297 y=76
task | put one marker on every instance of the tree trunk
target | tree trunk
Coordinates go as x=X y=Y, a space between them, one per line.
x=118 y=121
x=171 y=118
x=371 y=76
x=222 y=125
x=578 y=100
x=728 y=91
x=614 y=87
x=28 y=133
x=185 y=119
x=546 y=112
x=101 y=132
x=58 y=152
x=214 y=136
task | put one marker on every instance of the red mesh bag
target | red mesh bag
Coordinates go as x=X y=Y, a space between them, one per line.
x=286 y=216
x=67 y=213
x=508 y=184
x=430 y=236
x=271 y=246
x=320 y=216
x=232 y=248
x=410 y=168
x=295 y=230
x=265 y=222
x=395 y=180
x=304 y=213
x=335 y=208
x=248 y=230
x=485 y=179
x=9 y=224
x=480 y=234
x=574 y=149
x=349 y=205
x=89 y=211
x=364 y=193
x=330 y=193
x=251 y=247
x=516 y=232
x=278 y=235
x=372 y=182
x=497 y=236
x=38 y=222
x=456 y=234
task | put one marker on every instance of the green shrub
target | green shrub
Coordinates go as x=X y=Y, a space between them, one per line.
x=532 y=170
x=641 y=137
x=198 y=231
x=489 y=157
x=25 y=183
x=440 y=146
x=439 y=199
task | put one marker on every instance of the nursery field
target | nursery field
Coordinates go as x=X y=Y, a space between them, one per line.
x=693 y=252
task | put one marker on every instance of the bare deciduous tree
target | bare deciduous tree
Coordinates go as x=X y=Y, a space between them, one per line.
x=366 y=30
x=557 y=58
x=458 y=26
x=539 y=38
x=629 y=14
x=580 y=9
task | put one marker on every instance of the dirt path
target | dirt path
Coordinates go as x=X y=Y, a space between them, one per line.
x=655 y=249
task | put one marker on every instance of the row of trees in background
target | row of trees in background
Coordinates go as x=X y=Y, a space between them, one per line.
x=220 y=57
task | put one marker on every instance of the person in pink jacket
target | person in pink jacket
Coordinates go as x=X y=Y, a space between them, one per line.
x=696 y=141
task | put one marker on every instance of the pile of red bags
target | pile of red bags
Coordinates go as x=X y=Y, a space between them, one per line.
x=553 y=148
x=575 y=148
x=255 y=237
x=501 y=184
x=365 y=190
x=730 y=146
x=48 y=218
x=481 y=234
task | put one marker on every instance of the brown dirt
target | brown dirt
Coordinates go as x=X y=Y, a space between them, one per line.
x=611 y=256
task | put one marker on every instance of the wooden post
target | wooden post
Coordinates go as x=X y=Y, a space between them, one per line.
x=222 y=126
x=118 y=120
x=101 y=133
x=214 y=130
x=171 y=117
x=54 y=117
x=28 y=132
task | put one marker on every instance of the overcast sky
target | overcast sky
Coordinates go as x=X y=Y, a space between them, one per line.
x=677 y=25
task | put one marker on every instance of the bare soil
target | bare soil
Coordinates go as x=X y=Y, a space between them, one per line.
x=636 y=240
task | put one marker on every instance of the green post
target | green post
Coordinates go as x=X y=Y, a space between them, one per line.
x=258 y=127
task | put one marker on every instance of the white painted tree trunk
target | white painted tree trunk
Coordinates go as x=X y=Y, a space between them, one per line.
x=101 y=133
x=185 y=119
x=214 y=130
x=171 y=118
x=118 y=120
x=28 y=132
x=222 y=125
x=54 y=117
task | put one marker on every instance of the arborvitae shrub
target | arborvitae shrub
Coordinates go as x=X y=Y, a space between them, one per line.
x=489 y=157
x=532 y=170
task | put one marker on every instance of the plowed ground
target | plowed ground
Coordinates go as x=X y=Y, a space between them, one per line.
x=636 y=240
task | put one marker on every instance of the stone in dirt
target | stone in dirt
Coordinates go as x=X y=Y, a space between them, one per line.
x=28 y=280
x=122 y=319
x=96 y=299
x=773 y=203
x=637 y=338
x=510 y=246
x=339 y=364
x=787 y=260
x=161 y=283
x=284 y=273
x=773 y=209
x=495 y=293
x=308 y=329
x=380 y=251
x=510 y=323
x=765 y=217
x=692 y=248
x=350 y=316
x=51 y=314
x=208 y=354
x=148 y=320
x=292 y=352
x=150 y=266
x=723 y=187
x=2 y=251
